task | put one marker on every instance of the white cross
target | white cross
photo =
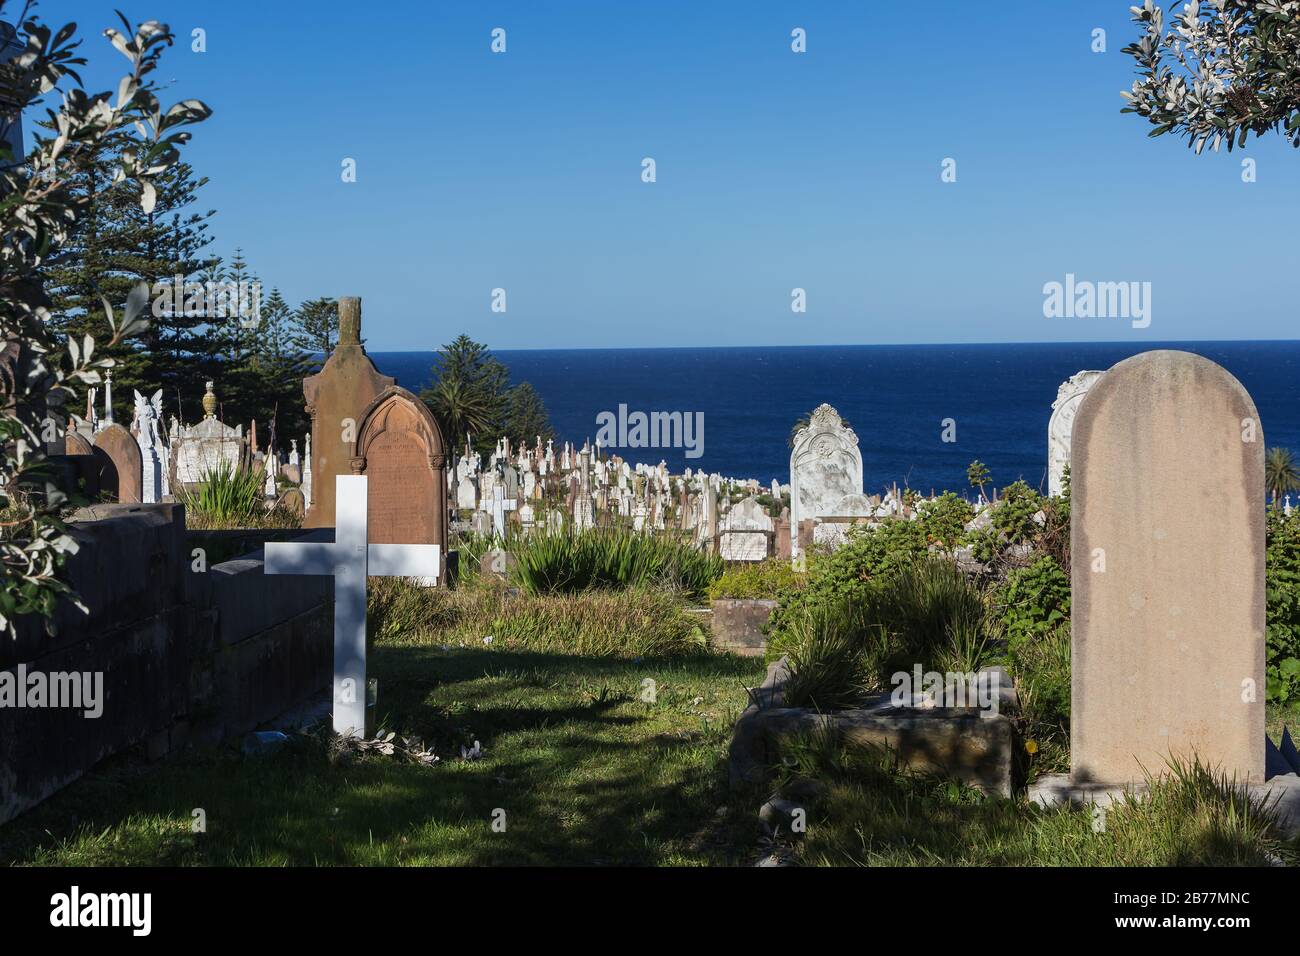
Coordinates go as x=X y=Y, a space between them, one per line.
x=500 y=505
x=350 y=559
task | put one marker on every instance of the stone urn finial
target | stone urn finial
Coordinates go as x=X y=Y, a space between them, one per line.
x=209 y=402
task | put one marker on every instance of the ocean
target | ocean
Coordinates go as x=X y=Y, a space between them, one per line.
x=895 y=397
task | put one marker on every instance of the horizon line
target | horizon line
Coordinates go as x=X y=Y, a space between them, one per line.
x=826 y=345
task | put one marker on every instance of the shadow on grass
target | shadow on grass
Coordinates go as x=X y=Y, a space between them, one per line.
x=577 y=769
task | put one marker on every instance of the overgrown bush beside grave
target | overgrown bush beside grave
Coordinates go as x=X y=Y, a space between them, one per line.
x=1033 y=601
x=1282 y=587
x=927 y=612
x=757 y=581
x=944 y=519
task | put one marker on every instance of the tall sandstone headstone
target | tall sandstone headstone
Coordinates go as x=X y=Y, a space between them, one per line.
x=400 y=449
x=1167 y=572
x=337 y=398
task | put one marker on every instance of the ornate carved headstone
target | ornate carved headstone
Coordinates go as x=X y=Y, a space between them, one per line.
x=825 y=468
x=337 y=397
x=1167 y=600
x=399 y=447
x=121 y=470
x=1068 y=398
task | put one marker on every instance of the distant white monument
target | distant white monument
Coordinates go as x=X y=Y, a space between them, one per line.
x=1059 y=427
x=203 y=447
x=153 y=450
x=825 y=469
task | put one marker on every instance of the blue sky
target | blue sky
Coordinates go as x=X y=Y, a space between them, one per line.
x=775 y=170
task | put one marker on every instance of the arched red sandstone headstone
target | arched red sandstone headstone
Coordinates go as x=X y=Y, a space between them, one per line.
x=121 y=465
x=400 y=448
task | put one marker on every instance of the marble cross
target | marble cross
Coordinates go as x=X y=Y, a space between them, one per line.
x=500 y=505
x=350 y=559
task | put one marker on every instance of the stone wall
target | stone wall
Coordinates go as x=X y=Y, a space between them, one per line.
x=184 y=655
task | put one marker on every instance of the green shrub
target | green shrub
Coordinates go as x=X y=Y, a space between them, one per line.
x=1014 y=514
x=567 y=561
x=869 y=552
x=984 y=544
x=1282 y=586
x=944 y=519
x=927 y=612
x=1033 y=601
x=760 y=579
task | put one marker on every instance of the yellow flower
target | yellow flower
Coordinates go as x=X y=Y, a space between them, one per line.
x=1031 y=746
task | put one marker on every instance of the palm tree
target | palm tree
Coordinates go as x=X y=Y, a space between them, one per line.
x=462 y=410
x=1280 y=473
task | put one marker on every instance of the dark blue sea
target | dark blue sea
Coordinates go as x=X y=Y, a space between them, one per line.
x=894 y=396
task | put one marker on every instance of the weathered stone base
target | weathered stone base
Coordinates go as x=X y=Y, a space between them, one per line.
x=954 y=742
x=1282 y=793
x=738 y=625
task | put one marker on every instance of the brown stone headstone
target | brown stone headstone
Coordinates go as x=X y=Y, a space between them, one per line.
x=121 y=466
x=1167 y=572
x=399 y=447
x=337 y=398
x=783 y=535
x=291 y=500
x=75 y=444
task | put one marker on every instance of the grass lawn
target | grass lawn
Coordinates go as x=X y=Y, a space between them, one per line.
x=586 y=772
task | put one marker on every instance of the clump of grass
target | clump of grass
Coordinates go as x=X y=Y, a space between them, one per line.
x=1041 y=667
x=927 y=612
x=397 y=607
x=230 y=497
x=757 y=580
x=567 y=561
x=830 y=667
x=638 y=622
x=871 y=812
x=471 y=547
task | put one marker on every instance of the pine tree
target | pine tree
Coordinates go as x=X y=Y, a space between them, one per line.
x=316 y=325
x=471 y=397
x=115 y=245
x=526 y=417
